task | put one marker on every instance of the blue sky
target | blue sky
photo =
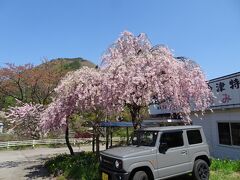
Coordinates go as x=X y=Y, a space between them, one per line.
x=203 y=30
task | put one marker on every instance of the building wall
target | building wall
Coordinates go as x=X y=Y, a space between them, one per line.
x=210 y=126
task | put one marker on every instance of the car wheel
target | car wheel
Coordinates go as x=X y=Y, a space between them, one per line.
x=140 y=175
x=200 y=170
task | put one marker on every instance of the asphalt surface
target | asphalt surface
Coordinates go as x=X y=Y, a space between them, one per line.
x=28 y=164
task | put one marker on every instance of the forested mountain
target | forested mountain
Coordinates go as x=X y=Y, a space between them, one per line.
x=28 y=83
x=70 y=64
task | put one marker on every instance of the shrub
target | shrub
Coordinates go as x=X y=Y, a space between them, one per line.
x=82 y=166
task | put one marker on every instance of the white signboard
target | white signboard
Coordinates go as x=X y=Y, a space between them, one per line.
x=226 y=90
x=155 y=109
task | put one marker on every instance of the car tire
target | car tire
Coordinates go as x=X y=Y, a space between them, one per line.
x=140 y=175
x=200 y=170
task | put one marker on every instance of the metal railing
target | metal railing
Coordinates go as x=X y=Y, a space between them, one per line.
x=32 y=143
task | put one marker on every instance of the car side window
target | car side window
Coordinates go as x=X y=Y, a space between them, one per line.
x=194 y=137
x=172 y=139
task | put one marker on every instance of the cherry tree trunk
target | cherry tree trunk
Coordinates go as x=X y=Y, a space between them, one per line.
x=67 y=139
x=97 y=145
x=135 y=115
x=93 y=142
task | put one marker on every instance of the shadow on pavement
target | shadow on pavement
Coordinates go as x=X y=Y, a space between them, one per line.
x=12 y=164
x=37 y=172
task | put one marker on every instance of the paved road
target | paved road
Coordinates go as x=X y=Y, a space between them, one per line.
x=28 y=164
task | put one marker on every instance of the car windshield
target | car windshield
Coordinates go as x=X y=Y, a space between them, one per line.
x=144 y=138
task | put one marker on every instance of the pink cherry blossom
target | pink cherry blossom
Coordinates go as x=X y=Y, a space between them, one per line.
x=139 y=71
x=26 y=119
x=84 y=90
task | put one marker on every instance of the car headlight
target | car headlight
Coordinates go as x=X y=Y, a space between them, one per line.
x=118 y=164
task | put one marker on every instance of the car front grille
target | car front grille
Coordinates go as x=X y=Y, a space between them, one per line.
x=107 y=162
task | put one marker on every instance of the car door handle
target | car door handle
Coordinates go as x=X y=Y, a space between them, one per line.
x=184 y=152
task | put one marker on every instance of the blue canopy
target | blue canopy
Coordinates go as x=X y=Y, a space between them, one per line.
x=145 y=123
x=116 y=124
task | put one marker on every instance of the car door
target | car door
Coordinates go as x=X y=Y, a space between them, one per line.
x=175 y=159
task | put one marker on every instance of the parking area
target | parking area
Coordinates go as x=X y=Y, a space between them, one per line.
x=28 y=164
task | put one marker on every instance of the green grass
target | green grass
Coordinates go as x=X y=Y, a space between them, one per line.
x=221 y=175
x=225 y=170
x=228 y=166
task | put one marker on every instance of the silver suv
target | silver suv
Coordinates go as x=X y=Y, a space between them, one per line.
x=159 y=153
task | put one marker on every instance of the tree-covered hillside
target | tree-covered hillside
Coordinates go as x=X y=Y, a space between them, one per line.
x=70 y=64
x=29 y=83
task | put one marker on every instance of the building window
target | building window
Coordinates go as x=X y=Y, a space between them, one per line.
x=235 y=128
x=224 y=133
x=229 y=133
x=194 y=137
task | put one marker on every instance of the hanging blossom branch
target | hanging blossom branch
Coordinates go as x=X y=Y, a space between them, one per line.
x=25 y=119
x=139 y=71
x=83 y=91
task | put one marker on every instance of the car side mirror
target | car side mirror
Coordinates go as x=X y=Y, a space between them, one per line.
x=163 y=148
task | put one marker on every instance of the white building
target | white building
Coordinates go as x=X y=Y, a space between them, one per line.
x=1 y=127
x=222 y=125
x=2 y=116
